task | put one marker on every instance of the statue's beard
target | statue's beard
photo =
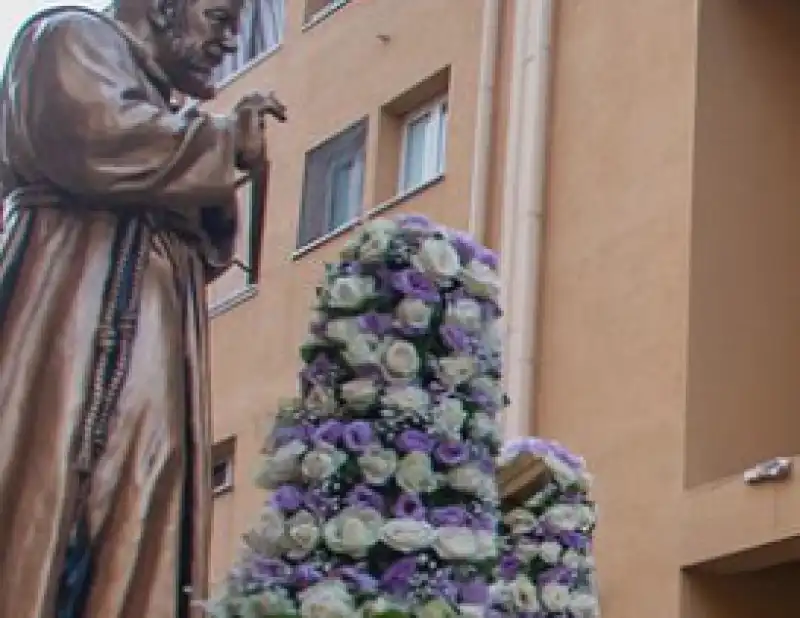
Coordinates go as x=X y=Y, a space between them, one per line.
x=189 y=70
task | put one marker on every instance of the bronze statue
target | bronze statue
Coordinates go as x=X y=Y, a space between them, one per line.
x=118 y=208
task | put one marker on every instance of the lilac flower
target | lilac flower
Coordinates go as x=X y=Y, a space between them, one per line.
x=357 y=579
x=396 y=579
x=305 y=575
x=451 y=453
x=287 y=498
x=557 y=575
x=271 y=570
x=456 y=338
x=482 y=521
x=318 y=503
x=358 y=436
x=486 y=256
x=475 y=592
x=486 y=465
x=329 y=433
x=318 y=371
x=465 y=246
x=574 y=540
x=409 y=506
x=376 y=323
x=510 y=565
x=414 y=284
x=444 y=586
x=449 y=516
x=361 y=495
x=413 y=440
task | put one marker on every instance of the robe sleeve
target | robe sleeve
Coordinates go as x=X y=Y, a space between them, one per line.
x=92 y=125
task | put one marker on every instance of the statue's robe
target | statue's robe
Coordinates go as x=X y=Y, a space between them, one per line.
x=99 y=173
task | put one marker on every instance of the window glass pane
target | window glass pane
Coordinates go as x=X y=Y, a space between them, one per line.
x=345 y=192
x=414 y=165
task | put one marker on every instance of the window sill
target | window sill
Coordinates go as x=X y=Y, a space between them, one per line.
x=222 y=490
x=370 y=214
x=323 y=14
x=232 y=301
x=248 y=66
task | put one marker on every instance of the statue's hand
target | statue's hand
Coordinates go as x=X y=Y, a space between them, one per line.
x=249 y=114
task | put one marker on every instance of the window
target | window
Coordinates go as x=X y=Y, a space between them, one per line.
x=424 y=146
x=318 y=8
x=261 y=31
x=333 y=188
x=222 y=466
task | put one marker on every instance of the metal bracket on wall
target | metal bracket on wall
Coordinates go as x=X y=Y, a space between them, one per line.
x=776 y=469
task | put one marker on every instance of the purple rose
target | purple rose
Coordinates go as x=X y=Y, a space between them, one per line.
x=414 y=223
x=356 y=579
x=475 y=592
x=414 y=284
x=465 y=246
x=456 y=338
x=449 y=517
x=376 y=323
x=318 y=503
x=305 y=575
x=361 y=495
x=271 y=570
x=396 y=579
x=318 y=371
x=409 y=506
x=487 y=256
x=482 y=521
x=451 y=453
x=444 y=586
x=329 y=433
x=510 y=565
x=358 y=436
x=413 y=440
x=287 y=498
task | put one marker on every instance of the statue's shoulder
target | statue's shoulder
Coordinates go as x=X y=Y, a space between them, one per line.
x=62 y=24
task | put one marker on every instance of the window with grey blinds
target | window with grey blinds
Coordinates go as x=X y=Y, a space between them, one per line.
x=261 y=31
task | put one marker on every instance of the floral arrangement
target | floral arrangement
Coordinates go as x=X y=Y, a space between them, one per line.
x=546 y=569
x=382 y=471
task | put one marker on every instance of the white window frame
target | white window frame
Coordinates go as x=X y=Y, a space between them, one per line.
x=435 y=151
x=227 y=483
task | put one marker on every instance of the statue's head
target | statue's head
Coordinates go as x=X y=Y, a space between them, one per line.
x=191 y=38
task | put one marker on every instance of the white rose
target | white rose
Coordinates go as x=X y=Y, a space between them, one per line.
x=328 y=599
x=564 y=474
x=485 y=544
x=375 y=240
x=350 y=291
x=555 y=597
x=266 y=539
x=524 y=594
x=456 y=544
x=342 y=330
x=572 y=560
x=520 y=521
x=407 y=535
x=360 y=393
x=320 y=400
x=319 y=465
x=470 y=480
x=465 y=313
x=472 y=611
x=480 y=280
x=565 y=517
x=455 y=370
x=363 y=349
x=406 y=398
x=281 y=466
x=302 y=535
x=502 y=594
x=484 y=428
x=414 y=313
x=583 y=605
x=353 y=531
x=437 y=258
x=550 y=552
x=449 y=416
x=527 y=550
x=490 y=387
x=378 y=465
x=415 y=474
x=401 y=359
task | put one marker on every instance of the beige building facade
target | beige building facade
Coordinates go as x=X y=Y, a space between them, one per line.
x=635 y=165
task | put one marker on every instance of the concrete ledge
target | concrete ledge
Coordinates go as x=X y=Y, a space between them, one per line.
x=729 y=526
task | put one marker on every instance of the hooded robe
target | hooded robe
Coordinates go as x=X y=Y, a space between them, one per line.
x=104 y=255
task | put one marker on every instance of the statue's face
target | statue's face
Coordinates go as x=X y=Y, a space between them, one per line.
x=205 y=35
